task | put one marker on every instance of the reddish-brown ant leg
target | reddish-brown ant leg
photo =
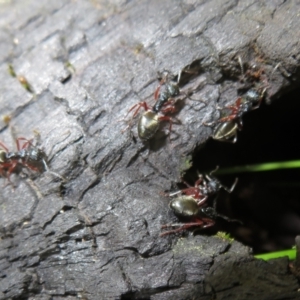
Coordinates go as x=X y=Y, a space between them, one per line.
x=25 y=145
x=193 y=190
x=4 y=166
x=200 y=179
x=166 y=118
x=11 y=166
x=170 y=102
x=140 y=104
x=4 y=147
x=228 y=118
x=195 y=222
x=31 y=167
x=156 y=93
x=235 y=108
x=170 y=109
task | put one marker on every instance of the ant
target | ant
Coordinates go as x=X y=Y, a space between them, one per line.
x=149 y=121
x=190 y=204
x=230 y=122
x=226 y=127
x=164 y=95
x=188 y=208
x=27 y=155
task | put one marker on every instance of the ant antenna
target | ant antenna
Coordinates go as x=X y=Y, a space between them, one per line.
x=275 y=68
x=214 y=170
x=241 y=64
x=51 y=172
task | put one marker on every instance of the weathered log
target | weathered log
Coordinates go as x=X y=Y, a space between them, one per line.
x=97 y=236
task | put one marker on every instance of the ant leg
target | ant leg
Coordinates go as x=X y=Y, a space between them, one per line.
x=3 y=147
x=210 y=124
x=200 y=179
x=203 y=200
x=169 y=106
x=173 y=194
x=25 y=145
x=275 y=68
x=51 y=172
x=35 y=169
x=138 y=105
x=234 y=111
x=230 y=190
x=156 y=93
x=228 y=118
x=214 y=170
x=179 y=76
x=190 y=191
x=194 y=191
x=166 y=118
x=182 y=226
x=12 y=167
x=241 y=65
x=196 y=222
x=217 y=215
x=63 y=179
x=3 y=167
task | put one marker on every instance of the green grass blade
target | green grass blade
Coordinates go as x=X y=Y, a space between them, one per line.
x=271 y=166
x=291 y=253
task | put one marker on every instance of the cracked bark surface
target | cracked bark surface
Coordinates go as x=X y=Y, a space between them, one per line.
x=88 y=62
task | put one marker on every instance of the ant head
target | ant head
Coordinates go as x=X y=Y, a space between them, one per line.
x=213 y=183
x=210 y=212
x=253 y=96
x=163 y=75
x=37 y=155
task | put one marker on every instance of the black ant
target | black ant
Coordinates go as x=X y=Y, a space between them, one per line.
x=149 y=121
x=230 y=122
x=27 y=155
x=190 y=203
x=225 y=128
x=188 y=208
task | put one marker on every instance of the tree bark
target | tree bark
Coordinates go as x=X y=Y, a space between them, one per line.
x=86 y=63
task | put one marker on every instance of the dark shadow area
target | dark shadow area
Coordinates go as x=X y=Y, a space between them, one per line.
x=268 y=203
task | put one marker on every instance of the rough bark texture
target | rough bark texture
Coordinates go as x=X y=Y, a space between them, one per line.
x=88 y=62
